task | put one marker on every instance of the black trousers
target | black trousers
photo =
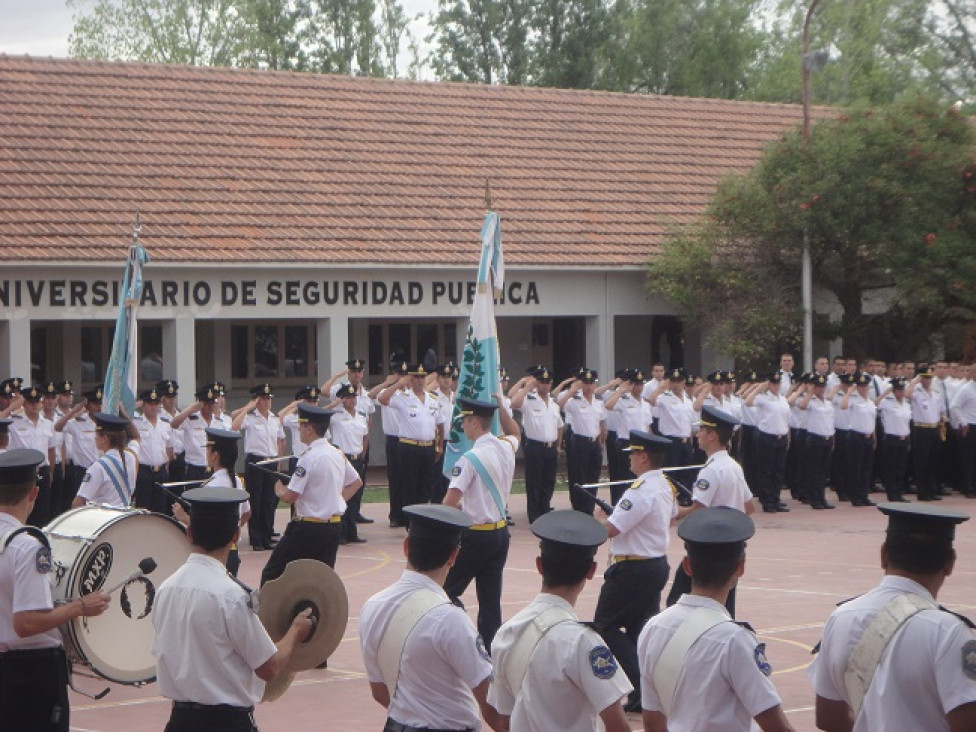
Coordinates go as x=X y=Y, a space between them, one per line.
x=771 y=462
x=619 y=469
x=200 y=718
x=34 y=691
x=630 y=596
x=416 y=472
x=925 y=458
x=681 y=585
x=57 y=490
x=148 y=495
x=815 y=467
x=860 y=465
x=350 y=529
x=679 y=453
x=587 y=458
x=260 y=487
x=793 y=458
x=303 y=540
x=838 y=464
x=177 y=467
x=482 y=559
x=393 y=478
x=894 y=463
x=41 y=514
x=967 y=458
x=747 y=449
x=540 y=477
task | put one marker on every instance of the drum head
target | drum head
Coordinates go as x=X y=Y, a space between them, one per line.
x=118 y=643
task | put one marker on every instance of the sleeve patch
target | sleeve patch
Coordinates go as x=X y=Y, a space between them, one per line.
x=42 y=560
x=761 y=661
x=86 y=478
x=300 y=472
x=702 y=485
x=625 y=505
x=455 y=471
x=602 y=663
x=969 y=659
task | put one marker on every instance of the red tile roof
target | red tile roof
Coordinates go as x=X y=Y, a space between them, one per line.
x=241 y=166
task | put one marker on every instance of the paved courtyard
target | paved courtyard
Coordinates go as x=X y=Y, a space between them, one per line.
x=799 y=565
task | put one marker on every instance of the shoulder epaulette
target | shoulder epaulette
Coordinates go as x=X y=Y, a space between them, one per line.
x=531 y=396
x=744 y=624
x=969 y=623
x=194 y=416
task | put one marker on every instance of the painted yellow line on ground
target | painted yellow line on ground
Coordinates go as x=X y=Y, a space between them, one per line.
x=386 y=559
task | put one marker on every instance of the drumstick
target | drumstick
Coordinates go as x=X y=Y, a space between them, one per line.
x=146 y=566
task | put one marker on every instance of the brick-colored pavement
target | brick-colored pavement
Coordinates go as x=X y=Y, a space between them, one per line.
x=799 y=565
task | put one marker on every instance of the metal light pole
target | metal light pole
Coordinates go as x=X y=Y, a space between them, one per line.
x=806 y=279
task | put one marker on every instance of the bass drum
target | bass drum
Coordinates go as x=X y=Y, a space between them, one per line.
x=96 y=547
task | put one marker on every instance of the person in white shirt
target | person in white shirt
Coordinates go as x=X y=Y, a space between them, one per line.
x=111 y=480
x=700 y=671
x=349 y=432
x=588 y=417
x=816 y=401
x=892 y=660
x=391 y=437
x=155 y=454
x=963 y=411
x=424 y=660
x=569 y=681
x=772 y=439
x=309 y=394
x=860 y=440
x=928 y=423
x=896 y=418
x=639 y=531
x=31 y=430
x=481 y=483
x=675 y=417
x=543 y=428
x=213 y=655
x=632 y=413
x=79 y=438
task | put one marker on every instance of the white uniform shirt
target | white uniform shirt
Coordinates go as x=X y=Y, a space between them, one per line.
x=81 y=430
x=749 y=415
x=773 y=414
x=540 y=418
x=364 y=404
x=842 y=417
x=208 y=641
x=178 y=447
x=289 y=424
x=32 y=435
x=927 y=406
x=674 y=417
x=632 y=414
x=320 y=475
x=649 y=388
x=153 y=441
x=585 y=416
x=417 y=417
x=614 y=418
x=221 y=479
x=723 y=683
x=97 y=487
x=443 y=658
x=863 y=414
x=445 y=405
x=58 y=436
x=22 y=587
x=963 y=408
x=896 y=416
x=261 y=434
x=571 y=678
x=476 y=499
x=820 y=417
x=921 y=675
x=643 y=517
x=194 y=437
x=722 y=483
x=348 y=431
x=391 y=425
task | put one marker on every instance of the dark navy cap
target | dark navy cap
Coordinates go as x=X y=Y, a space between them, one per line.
x=220 y=388
x=206 y=394
x=215 y=501
x=677 y=374
x=221 y=437
x=346 y=390
x=716 y=531
x=50 y=389
x=417 y=369
x=476 y=408
x=749 y=377
x=309 y=391
x=634 y=376
x=570 y=528
x=818 y=380
x=713 y=417
x=646 y=442
x=96 y=394
x=898 y=384
x=587 y=376
x=168 y=387
x=32 y=393
x=314 y=414
x=64 y=387
x=925 y=371
x=913 y=518
x=399 y=367
x=355 y=364
x=19 y=466
x=531 y=370
x=150 y=396
x=446 y=369
x=541 y=373
x=109 y=422
x=774 y=376
x=716 y=377
x=262 y=390
x=436 y=522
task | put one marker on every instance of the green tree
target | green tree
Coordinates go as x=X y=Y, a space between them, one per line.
x=481 y=41
x=888 y=198
x=344 y=37
x=567 y=42
x=271 y=38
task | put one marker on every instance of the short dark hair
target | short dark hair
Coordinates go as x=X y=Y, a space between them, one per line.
x=426 y=555
x=711 y=569
x=11 y=495
x=212 y=532
x=319 y=428
x=918 y=553
x=724 y=432
x=564 y=566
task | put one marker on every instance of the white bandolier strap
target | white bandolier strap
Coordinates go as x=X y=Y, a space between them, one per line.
x=402 y=623
x=866 y=655
x=672 y=658
x=517 y=664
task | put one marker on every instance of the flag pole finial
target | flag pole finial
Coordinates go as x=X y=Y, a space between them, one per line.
x=136 y=228
x=487 y=194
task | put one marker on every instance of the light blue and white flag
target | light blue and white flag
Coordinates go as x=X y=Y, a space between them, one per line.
x=478 y=377
x=121 y=377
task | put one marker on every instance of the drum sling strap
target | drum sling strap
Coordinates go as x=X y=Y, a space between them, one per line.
x=10 y=535
x=404 y=620
x=517 y=663
x=866 y=655
x=113 y=468
x=672 y=658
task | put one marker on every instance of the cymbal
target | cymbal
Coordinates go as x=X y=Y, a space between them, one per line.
x=278 y=685
x=306 y=583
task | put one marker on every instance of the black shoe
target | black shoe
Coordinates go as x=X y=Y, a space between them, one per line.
x=845 y=499
x=925 y=498
x=258 y=547
x=899 y=499
x=397 y=524
x=827 y=505
x=781 y=504
x=782 y=508
x=944 y=492
x=275 y=534
x=936 y=497
x=818 y=506
x=769 y=509
x=269 y=545
x=356 y=540
x=360 y=519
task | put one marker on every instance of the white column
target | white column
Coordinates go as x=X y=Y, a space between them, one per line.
x=331 y=345
x=600 y=345
x=71 y=351
x=180 y=354
x=15 y=347
x=222 y=351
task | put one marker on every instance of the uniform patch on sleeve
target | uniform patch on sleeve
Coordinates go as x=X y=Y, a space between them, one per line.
x=300 y=472
x=455 y=471
x=702 y=485
x=86 y=478
x=969 y=659
x=602 y=663
x=625 y=505
x=42 y=560
x=482 y=650
x=761 y=661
